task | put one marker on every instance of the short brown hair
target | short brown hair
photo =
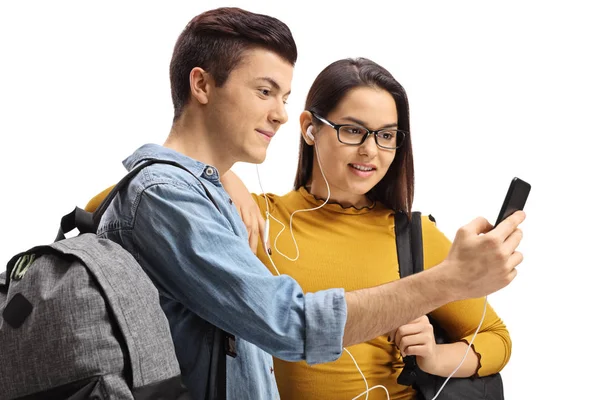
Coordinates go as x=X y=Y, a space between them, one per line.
x=396 y=189
x=216 y=40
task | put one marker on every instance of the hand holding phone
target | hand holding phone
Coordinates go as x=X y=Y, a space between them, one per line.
x=485 y=260
x=515 y=199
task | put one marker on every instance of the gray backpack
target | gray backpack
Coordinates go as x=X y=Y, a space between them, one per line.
x=81 y=320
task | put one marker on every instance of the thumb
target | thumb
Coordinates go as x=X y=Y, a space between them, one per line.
x=478 y=226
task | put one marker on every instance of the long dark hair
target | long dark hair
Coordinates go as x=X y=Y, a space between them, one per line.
x=396 y=189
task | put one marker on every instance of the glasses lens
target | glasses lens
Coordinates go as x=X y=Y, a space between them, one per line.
x=351 y=134
x=390 y=138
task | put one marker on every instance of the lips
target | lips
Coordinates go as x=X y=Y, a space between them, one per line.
x=363 y=167
x=362 y=170
x=268 y=134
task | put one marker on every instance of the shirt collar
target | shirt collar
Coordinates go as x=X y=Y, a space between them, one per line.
x=153 y=151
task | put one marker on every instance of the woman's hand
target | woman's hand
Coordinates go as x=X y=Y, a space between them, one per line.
x=417 y=339
x=248 y=210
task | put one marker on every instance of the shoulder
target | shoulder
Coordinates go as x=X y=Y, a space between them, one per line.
x=168 y=175
x=429 y=226
x=95 y=202
x=158 y=174
x=275 y=201
x=435 y=243
x=158 y=189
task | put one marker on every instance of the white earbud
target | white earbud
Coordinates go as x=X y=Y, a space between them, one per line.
x=309 y=133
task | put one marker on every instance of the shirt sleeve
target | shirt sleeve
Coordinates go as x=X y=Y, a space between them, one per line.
x=460 y=319
x=190 y=250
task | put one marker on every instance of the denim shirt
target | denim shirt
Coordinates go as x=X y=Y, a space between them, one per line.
x=199 y=259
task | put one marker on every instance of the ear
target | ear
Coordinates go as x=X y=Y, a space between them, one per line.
x=201 y=84
x=306 y=121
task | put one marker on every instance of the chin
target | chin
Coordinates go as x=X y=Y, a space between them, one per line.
x=257 y=157
x=359 y=190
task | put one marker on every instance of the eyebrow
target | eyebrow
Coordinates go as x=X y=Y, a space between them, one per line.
x=273 y=83
x=359 y=122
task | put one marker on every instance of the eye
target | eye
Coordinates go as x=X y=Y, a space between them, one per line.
x=387 y=135
x=354 y=130
x=265 y=92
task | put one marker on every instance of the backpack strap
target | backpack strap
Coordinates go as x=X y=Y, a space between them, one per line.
x=87 y=222
x=223 y=343
x=409 y=248
x=409 y=243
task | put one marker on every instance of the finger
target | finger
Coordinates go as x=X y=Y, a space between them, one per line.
x=477 y=226
x=420 y=350
x=413 y=327
x=510 y=224
x=246 y=219
x=512 y=274
x=252 y=228
x=513 y=241
x=515 y=259
x=412 y=340
x=253 y=240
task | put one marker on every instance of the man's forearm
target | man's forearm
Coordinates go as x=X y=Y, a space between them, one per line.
x=376 y=311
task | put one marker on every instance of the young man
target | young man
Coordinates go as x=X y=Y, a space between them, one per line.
x=231 y=74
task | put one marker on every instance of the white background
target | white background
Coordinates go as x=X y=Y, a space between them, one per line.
x=496 y=91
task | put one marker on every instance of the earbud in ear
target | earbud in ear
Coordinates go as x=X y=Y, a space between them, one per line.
x=309 y=133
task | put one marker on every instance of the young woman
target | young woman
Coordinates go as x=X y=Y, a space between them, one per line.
x=355 y=154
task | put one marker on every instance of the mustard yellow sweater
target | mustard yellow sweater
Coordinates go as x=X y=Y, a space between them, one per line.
x=355 y=249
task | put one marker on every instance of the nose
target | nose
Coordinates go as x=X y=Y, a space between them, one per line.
x=278 y=114
x=368 y=147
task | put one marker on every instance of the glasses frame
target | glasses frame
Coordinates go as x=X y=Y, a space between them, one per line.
x=375 y=133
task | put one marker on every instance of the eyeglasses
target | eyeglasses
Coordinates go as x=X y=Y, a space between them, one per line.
x=355 y=135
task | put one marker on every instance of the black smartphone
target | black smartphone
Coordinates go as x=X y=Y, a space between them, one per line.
x=515 y=198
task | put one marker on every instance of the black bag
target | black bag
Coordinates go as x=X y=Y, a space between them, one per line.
x=409 y=247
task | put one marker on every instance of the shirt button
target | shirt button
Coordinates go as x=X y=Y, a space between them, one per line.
x=210 y=171
x=230 y=201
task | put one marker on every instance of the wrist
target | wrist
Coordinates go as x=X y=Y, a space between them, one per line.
x=432 y=364
x=446 y=357
x=447 y=287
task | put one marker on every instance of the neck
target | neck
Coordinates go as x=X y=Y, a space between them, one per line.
x=191 y=137
x=318 y=188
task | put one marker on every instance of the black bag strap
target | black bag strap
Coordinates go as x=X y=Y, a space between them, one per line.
x=409 y=243
x=409 y=248
x=223 y=343
x=87 y=222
